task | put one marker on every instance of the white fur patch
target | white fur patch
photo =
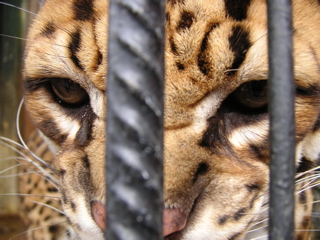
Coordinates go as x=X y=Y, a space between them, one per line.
x=249 y=134
x=83 y=217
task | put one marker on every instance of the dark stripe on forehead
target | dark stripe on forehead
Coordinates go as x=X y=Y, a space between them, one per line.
x=74 y=48
x=237 y=9
x=83 y=10
x=49 y=30
x=239 y=45
x=203 y=61
x=186 y=20
x=173 y=46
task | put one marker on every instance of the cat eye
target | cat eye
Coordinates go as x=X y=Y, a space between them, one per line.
x=69 y=93
x=252 y=95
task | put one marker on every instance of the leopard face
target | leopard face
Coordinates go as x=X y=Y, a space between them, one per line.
x=216 y=111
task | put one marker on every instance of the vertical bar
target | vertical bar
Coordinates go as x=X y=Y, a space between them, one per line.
x=282 y=123
x=134 y=119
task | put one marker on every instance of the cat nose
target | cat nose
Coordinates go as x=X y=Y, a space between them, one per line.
x=98 y=213
x=174 y=220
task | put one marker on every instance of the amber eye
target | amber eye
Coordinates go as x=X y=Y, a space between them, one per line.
x=69 y=93
x=252 y=95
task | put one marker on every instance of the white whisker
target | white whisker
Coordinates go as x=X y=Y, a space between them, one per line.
x=3 y=142
x=9 y=168
x=49 y=206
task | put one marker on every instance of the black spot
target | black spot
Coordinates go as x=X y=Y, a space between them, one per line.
x=237 y=9
x=53 y=229
x=186 y=20
x=223 y=219
x=74 y=48
x=173 y=46
x=41 y=210
x=180 y=66
x=168 y=18
x=50 y=129
x=203 y=62
x=239 y=44
x=202 y=169
x=99 y=58
x=62 y=173
x=84 y=134
x=239 y=214
x=49 y=30
x=83 y=10
x=305 y=165
x=73 y=206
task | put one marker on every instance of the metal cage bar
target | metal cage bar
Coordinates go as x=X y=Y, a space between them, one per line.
x=282 y=121
x=134 y=169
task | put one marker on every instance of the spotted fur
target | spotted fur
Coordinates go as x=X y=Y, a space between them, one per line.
x=216 y=112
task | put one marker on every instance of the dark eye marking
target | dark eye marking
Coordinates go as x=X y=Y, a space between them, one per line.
x=202 y=169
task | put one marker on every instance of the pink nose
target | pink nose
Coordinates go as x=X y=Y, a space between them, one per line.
x=98 y=213
x=173 y=221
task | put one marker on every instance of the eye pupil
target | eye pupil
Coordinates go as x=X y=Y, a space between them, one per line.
x=251 y=96
x=69 y=93
x=259 y=89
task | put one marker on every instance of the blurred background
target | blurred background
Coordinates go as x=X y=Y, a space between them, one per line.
x=13 y=26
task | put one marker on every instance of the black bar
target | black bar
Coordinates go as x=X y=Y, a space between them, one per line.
x=282 y=123
x=135 y=120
